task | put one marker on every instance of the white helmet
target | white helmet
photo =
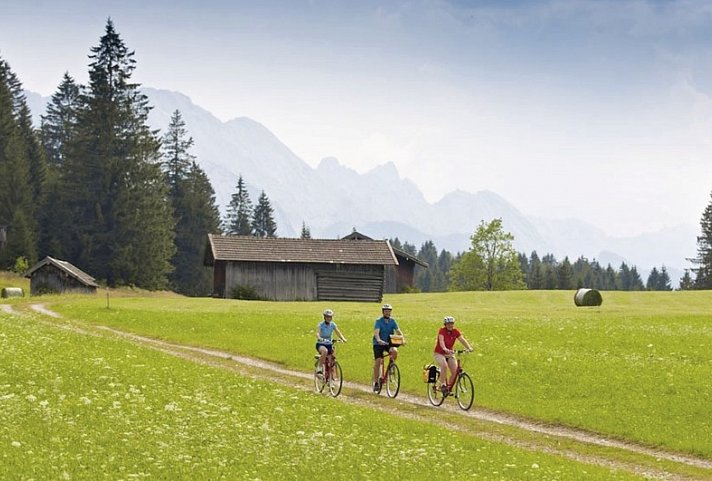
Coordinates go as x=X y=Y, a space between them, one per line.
x=328 y=312
x=449 y=320
x=386 y=306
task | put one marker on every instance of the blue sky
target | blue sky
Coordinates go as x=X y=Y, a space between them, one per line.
x=598 y=110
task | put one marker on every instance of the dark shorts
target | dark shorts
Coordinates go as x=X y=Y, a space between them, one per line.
x=379 y=349
x=329 y=347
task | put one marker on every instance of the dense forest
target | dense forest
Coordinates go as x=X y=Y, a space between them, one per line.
x=94 y=185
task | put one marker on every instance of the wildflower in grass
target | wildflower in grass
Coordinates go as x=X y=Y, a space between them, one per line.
x=16 y=444
x=31 y=398
x=170 y=407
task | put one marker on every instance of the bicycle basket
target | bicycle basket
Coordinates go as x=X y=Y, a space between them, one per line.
x=396 y=340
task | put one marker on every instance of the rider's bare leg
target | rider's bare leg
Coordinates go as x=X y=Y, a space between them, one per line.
x=452 y=363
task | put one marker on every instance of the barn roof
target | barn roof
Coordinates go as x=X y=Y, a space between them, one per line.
x=355 y=235
x=66 y=267
x=318 y=251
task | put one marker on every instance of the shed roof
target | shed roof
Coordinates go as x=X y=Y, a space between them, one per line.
x=318 y=251
x=400 y=253
x=66 y=267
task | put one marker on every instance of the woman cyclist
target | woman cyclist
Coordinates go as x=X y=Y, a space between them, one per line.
x=444 y=354
x=324 y=333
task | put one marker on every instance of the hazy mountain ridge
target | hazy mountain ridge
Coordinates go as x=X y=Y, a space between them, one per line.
x=332 y=199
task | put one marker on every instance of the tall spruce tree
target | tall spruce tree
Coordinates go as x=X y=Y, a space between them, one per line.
x=197 y=216
x=195 y=211
x=240 y=211
x=112 y=181
x=703 y=261
x=19 y=192
x=57 y=128
x=263 y=224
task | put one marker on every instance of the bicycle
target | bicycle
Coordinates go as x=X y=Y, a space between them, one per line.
x=463 y=389
x=390 y=376
x=333 y=375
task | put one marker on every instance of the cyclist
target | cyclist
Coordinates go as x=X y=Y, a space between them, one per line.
x=444 y=353
x=384 y=327
x=324 y=332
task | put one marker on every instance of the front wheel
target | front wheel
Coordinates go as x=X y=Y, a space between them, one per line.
x=335 y=380
x=319 y=379
x=465 y=391
x=393 y=380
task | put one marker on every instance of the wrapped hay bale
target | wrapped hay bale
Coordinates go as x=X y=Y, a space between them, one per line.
x=12 y=292
x=588 y=297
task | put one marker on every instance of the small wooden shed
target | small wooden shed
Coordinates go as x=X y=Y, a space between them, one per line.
x=284 y=269
x=52 y=275
x=401 y=277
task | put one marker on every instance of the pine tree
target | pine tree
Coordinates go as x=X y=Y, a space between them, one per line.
x=60 y=120
x=536 y=273
x=18 y=192
x=197 y=215
x=263 y=224
x=636 y=283
x=424 y=279
x=653 y=280
x=703 y=273
x=686 y=282
x=306 y=233
x=664 y=283
x=176 y=156
x=195 y=211
x=565 y=274
x=113 y=183
x=240 y=213
x=58 y=127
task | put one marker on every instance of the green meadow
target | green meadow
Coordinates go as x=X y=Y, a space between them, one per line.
x=86 y=407
x=637 y=368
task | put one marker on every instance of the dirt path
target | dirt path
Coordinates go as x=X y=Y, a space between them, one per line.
x=417 y=407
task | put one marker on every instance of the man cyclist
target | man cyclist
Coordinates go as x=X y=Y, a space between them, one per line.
x=324 y=333
x=444 y=353
x=384 y=327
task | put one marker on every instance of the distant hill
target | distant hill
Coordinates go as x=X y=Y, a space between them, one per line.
x=332 y=199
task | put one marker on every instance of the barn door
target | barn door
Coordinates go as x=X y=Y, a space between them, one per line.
x=349 y=286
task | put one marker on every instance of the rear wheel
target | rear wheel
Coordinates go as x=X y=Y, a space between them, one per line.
x=435 y=395
x=335 y=380
x=319 y=380
x=465 y=391
x=393 y=380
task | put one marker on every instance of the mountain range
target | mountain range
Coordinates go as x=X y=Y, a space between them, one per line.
x=333 y=199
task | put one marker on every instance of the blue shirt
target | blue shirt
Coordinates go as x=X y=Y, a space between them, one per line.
x=326 y=330
x=385 y=329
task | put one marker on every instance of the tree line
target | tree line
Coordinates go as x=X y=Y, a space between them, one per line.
x=94 y=185
x=491 y=263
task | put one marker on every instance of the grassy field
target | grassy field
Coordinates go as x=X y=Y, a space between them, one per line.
x=637 y=368
x=81 y=407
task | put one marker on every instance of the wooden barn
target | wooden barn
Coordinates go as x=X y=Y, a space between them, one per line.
x=299 y=269
x=55 y=276
x=401 y=277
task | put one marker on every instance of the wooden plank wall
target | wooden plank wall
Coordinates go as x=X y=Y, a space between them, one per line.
x=307 y=282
